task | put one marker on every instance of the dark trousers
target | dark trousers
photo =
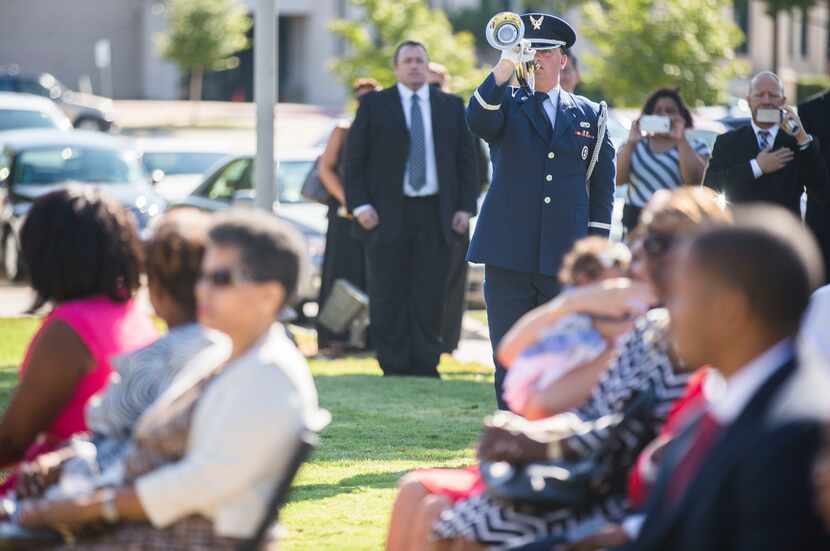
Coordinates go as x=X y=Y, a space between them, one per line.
x=509 y=296
x=456 y=294
x=631 y=217
x=344 y=258
x=407 y=288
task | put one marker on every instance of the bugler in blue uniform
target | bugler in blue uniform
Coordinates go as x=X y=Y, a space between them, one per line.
x=540 y=200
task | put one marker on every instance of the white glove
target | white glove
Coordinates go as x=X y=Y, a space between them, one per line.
x=520 y=53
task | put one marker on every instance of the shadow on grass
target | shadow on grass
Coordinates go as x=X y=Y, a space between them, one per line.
x=313 y=492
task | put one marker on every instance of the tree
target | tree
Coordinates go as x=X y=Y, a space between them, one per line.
x=774 y=9
x=646 y=44
x=203 y=35
x=386 y=23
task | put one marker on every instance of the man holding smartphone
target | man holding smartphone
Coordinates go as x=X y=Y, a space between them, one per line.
x=772 y=160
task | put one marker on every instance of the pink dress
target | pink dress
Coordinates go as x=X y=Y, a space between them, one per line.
x=107 y=328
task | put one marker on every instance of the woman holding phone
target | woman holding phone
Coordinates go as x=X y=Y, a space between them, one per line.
x=657 y=154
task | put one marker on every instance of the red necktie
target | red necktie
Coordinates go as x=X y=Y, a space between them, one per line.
x=705 y=433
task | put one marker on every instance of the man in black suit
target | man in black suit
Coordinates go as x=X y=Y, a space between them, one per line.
x=768 y=161
x=411 y=184
x=815 y=114
x=740 y=477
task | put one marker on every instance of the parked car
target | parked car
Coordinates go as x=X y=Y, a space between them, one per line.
x=177 y=166
x=35 y=162
x=18 y=111
x=232 y=182
x=86 y=111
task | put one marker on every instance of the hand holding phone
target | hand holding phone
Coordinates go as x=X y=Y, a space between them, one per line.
x=655 y=124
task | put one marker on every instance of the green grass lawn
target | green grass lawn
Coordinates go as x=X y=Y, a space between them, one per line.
x=381 y=429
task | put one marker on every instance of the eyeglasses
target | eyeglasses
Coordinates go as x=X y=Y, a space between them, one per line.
x=223 y=277
x=658 y=244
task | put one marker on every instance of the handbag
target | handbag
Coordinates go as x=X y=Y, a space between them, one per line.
x=313 y=188
x=564 y=483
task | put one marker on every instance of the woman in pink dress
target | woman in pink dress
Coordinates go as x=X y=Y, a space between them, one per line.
x=84 y=257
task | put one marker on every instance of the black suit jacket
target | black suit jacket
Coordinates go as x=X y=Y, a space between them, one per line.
x=729 y=171
x=753 y=491
x=377 y=150
x=815 y=115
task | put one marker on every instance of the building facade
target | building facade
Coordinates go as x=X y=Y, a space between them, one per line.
x=60 y=37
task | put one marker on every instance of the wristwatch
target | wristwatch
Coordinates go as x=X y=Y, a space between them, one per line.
x=109 y=511
x=806 y=144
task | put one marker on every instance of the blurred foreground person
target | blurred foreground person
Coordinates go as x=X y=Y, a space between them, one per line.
x=84 y=256
x=205 y=457
x=739 y=478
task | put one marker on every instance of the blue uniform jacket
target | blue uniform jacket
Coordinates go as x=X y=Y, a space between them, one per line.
x=539 y=202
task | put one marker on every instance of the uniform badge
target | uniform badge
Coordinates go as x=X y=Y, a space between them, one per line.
x=585 y=124
x=584 y=152
x=537 y=23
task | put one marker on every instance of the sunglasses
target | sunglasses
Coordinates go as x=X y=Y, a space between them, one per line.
x=223 y=277
x=658 y=244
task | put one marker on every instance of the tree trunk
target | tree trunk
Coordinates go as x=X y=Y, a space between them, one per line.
x=196 y=76
x=775 y=38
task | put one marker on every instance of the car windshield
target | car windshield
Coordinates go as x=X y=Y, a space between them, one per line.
x=53 y=165
x=13 y=119
x=175 y=163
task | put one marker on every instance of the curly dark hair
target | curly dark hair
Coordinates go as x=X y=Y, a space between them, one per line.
x=78 y=243
x=173 y=255
x=673 y=94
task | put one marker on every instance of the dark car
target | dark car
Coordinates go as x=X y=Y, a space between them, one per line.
x=86 y=111
x=35 y=162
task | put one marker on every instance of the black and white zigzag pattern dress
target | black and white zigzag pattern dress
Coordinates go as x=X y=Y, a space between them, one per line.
x=643 y=362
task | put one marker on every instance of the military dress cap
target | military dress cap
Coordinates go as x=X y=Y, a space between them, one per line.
x=548 y=31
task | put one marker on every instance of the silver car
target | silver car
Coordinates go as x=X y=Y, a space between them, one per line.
x=232 y=182
x=35 y=162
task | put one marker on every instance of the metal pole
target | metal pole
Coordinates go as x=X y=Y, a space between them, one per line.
x=265 y=84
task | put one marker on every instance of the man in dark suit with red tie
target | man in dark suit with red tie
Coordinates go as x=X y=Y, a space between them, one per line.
x=768 y=161
x=411 y=183
x=740 y=477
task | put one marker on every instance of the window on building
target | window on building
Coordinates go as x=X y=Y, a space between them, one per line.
x=741 y=11
x=805 y=32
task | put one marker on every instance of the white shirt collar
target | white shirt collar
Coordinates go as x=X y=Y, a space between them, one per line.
x=727 y=403
x=553 y=94
x=406 y=93
x=773 y=131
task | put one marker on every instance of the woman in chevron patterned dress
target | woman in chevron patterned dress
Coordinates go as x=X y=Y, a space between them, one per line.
x=643 y=361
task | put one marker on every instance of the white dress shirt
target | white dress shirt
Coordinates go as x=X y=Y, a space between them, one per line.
x=773 y=133
x=551 y=105
x=745 y=383
x=244 y=432
x=431 y=187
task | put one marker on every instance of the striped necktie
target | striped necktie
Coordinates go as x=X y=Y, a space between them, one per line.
x=417 y=147
x=763 y=139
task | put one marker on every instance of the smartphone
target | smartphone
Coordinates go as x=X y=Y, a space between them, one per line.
x=769 y=116
x=655 y=124
x=776 y=116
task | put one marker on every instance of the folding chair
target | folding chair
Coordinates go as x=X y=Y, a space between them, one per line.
x=308 y=440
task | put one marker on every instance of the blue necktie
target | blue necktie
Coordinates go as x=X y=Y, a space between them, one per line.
x=541 y=97
x=763 y=139
x=417 y=147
